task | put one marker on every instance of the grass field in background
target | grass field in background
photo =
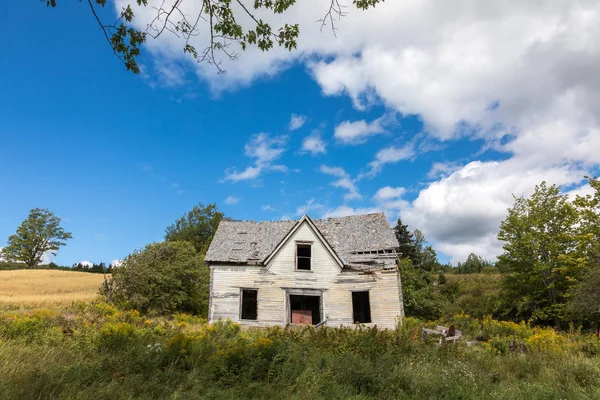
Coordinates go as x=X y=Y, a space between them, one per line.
x=31 y=289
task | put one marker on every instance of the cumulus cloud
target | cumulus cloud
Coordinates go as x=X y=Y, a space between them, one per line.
x=314 y=145
x=387 y=200
x=265 y=150
x=440 y=169
x=357 y=132
x=390 y=199
x=461 y=213
x=390 y=155
x=310 y=205
x=520 y=75
x=296 y=122
x=116 y=263
x=232 y=200
x=344 y=181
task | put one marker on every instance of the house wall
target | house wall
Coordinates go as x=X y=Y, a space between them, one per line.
x=273 y=280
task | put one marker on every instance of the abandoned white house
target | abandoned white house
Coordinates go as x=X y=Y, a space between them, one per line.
x=336 y=271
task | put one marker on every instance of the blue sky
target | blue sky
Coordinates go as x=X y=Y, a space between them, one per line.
x=119 y=157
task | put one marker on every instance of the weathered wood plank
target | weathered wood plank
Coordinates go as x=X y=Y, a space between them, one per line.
x=227 y=280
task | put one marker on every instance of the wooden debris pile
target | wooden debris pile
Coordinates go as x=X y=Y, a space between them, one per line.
x=450 y=334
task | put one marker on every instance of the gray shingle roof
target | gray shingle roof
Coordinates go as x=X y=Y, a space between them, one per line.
x=361 y=241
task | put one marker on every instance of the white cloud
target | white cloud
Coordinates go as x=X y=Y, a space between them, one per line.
x=439 y=169
x=248 y=174
x=461 y=213
x=357 y=132
x=296 y=122
x=344 y=181
x=389 y=193
x=87 y=264
x=521 y=75
x=265 y=150
x=314 y=145
x=268 y=207
x=389 y=199
x=345 y=211
x=116 y=263
x=390 y=155
x=232 y=200
x=309 y=206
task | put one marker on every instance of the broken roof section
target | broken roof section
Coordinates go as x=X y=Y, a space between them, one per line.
x=362 y=241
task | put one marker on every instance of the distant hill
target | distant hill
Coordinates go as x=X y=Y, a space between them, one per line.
x=22 y=289
x=475 y=294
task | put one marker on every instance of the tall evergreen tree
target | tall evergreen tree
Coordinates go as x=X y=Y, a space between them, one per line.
x=417 y=263
x=407 y=247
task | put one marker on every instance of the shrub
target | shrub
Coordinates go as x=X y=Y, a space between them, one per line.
x=32 y=327
x=115 y=336
x=546 y=341
x=161 y=279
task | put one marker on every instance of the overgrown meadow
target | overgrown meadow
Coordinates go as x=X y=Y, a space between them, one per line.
x=96 y=351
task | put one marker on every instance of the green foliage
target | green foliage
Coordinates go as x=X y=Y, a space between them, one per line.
x=95 y=268
x=475 y=294
x=39 y=234
x=4 y=266
x=407 y=247
x=417 y=268
x=420 y=298
x=223 y=27
x=584 y=299
x=584 y=296
x=197 y=227
x=109 y=354
x=474 y=264
x=160 y=279
x=543 y=254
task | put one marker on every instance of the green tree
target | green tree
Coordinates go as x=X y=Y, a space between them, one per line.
x=216 y=19
x=161 y=279
x=39 y=234
x=584 y=302
x=197 y=227
x=407 y=247
x=419 y=296
x=416 y=266
x=541 y=252
x=473 y=264
x=584 y=299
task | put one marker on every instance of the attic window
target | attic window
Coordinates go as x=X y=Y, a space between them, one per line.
x=249 y=306
x=303 y=256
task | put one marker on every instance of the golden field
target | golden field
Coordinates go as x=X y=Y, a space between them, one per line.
x=27 y=289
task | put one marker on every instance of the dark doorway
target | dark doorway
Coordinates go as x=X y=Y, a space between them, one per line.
x=305 y=309
x=249 y=304
x=361 y=307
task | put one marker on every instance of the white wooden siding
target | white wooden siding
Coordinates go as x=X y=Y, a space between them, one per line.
x=272 y=280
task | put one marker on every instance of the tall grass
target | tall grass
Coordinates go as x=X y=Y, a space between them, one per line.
x=95 y=351
x=30 y=289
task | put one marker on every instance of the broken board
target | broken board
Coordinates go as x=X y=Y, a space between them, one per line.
x=302 y=317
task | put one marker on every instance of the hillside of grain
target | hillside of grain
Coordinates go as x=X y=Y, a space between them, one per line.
x=28 y=289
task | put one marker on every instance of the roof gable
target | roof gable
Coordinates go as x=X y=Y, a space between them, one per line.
x=305 y=220
x=356 y=240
